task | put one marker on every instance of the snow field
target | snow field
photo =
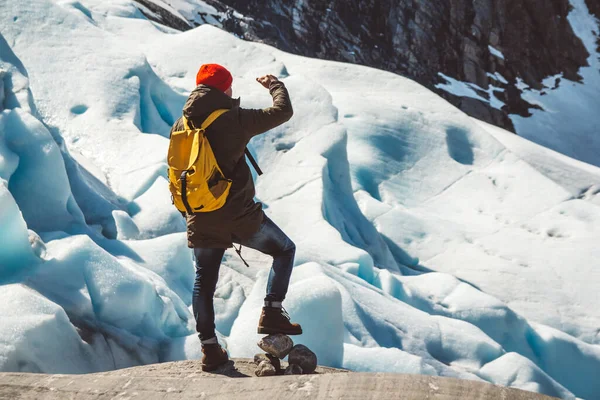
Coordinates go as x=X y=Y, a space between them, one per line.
x=557 y=128
x=28 y=321
x=40 y=176
x=515 y=370
x=15 y=250
x=448 y=205
x=423 y=237
x=384 y=359
x=120 y=293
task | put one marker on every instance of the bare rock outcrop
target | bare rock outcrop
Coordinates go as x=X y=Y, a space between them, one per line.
x=185 y=380
x=487 y=42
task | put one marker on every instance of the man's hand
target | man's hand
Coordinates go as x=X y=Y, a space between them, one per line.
x=267 y=80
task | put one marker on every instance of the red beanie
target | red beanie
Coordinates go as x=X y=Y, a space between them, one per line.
x=214 y=75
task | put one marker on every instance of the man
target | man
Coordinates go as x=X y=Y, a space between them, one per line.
x=241 y=220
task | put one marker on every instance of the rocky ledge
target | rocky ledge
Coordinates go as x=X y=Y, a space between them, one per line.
x=185 y=380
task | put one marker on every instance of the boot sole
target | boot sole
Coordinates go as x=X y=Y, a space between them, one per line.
x=212 y=367
x=268 y=331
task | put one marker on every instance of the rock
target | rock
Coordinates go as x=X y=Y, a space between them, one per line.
x=278 y=345
x=269 y=358
x=293 y=369
x=265 y=368
x=176 y=376
x=304 y=357
x=168 y=18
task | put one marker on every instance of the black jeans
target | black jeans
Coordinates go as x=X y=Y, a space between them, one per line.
x=268 y=240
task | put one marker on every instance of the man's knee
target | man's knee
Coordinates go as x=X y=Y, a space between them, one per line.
x=286 y=249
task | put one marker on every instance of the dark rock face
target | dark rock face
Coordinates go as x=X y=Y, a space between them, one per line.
x=164 y=17
x=420 y=39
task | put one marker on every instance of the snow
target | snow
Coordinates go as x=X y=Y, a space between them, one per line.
x=384 y=359
x=15 y=250
x=467 y=89
x=28 y=321
x=459 y=88
x=168 y=257
x=101 y=288
x=40 y=161
x=315 y=302
x=569 y=120
x=498 y=76
x=195 y=10
x=427 y=242
x=153 y=213
x=573 y=175
x=523 y=375
x=495 y=52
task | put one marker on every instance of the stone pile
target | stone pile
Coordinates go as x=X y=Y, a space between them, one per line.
x=301 y=359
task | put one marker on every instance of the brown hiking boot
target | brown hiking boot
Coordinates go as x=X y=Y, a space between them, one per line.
x=214 y=357
x=276 y=320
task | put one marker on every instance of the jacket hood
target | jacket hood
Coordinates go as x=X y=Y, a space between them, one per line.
x=205 y=99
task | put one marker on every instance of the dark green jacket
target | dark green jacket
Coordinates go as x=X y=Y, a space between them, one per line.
x=229 y=135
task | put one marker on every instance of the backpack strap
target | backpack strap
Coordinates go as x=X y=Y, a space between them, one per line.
x=207 y=122
x=253 y=162
x=212 y=117
x=196 y=143
x=185 y=123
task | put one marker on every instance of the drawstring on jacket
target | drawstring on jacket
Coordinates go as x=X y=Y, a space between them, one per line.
x=239 y=251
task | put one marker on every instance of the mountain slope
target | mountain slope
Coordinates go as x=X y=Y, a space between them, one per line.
x=425 y=244
x=527 y=66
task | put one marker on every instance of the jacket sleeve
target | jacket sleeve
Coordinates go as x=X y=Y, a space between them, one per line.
x=255 y=122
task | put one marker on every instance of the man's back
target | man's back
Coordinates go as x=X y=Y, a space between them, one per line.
x=229 y=135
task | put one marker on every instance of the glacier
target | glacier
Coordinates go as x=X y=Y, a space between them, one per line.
x=427 y=242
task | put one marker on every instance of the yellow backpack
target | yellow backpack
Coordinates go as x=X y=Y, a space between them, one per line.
x=196 y=181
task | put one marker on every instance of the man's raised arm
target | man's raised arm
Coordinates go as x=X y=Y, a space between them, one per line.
x=256 y=121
